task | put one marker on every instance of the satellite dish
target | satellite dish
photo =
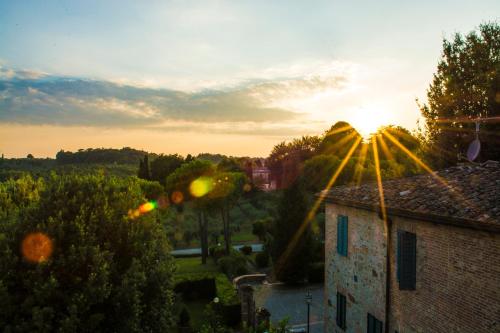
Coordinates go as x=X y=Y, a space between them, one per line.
x=474 y=147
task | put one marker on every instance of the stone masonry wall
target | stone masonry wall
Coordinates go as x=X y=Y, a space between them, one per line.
x=361 y=275
x=458 y=281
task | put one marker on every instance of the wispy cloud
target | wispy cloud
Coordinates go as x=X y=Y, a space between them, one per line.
x=39 y=98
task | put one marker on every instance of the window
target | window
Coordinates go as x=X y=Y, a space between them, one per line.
x=342 y=235
x=407 y=260
x=341 y=307
x=374 y=325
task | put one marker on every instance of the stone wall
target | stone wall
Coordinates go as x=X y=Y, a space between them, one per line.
x=458 y=281
x=361 y=275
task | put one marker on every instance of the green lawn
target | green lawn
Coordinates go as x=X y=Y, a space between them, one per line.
x=193 y=266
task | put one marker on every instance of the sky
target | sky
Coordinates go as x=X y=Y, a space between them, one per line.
x=230 y=77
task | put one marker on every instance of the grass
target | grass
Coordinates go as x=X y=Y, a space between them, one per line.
x=194 y=266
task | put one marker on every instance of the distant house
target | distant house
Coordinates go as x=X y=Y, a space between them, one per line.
x=260 y=174
x=433 y=265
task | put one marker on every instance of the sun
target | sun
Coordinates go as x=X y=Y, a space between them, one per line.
x=368 y=120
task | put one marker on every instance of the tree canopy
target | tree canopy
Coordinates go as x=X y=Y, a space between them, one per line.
x=101 y=270
x=465 y=87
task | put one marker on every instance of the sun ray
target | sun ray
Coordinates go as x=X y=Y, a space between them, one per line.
x=467 y=120
x=424 y=166
x=342 y=141
x=379 y=178
x=358 y=170
x=313 y=210
x=465 y=130
x=339 y=130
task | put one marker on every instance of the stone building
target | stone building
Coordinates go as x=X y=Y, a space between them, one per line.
x=431 y=265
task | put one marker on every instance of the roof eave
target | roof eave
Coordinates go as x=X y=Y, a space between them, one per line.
x=439 y=219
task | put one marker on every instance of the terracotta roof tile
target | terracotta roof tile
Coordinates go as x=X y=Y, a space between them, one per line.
x=467 y=193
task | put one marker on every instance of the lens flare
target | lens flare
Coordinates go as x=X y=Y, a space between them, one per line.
x=247 y=187
x=147 y=207
x=37 y=247
x=201 y=186
x=143 y=209
x=177 y=197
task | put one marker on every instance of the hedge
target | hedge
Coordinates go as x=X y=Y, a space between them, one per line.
x=214 y=284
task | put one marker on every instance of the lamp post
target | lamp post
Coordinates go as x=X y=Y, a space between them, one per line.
x=308 y=302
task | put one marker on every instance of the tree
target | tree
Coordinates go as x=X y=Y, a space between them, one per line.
x=227 y=189
x=98 y=270
x=291 y=254
x=286 y=159
x=144 y=172
x=164 y=165
x=465 y=87
x=180 y=183
x=30 y=156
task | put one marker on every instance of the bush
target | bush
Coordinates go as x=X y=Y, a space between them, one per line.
x=196 y=286
x=246 y=250
x=316 y=272
x=217 y=252
x=262 y=260
x=233 y=265
x=100 y=270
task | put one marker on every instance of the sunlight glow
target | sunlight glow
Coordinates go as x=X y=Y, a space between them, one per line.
x=368 y=121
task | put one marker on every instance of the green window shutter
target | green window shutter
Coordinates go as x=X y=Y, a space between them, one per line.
x=339 y=234
x=407 y=260
x=345 y=236
x=342 y=235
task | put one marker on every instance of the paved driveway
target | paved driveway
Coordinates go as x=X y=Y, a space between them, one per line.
x=283 y=301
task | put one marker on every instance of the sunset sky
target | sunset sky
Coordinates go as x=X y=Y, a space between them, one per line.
x=231 y=77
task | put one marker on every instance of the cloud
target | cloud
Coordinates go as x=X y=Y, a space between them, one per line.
x=34 y=98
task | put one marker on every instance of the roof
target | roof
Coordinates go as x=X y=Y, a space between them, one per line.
x=466 y=195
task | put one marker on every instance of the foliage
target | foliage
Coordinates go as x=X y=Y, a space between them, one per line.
x=152 y=189
x=180 y=181
x=233 y=265
x=285 y=158
x=101 y=156
x=162 y=166
x=338 y=139
x=465 y=87
x=260 y=228
x=106 y=272
x=217 y=252
x=291 y=240
x=144 y=172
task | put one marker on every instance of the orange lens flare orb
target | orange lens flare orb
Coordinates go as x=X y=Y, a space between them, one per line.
x=247 y=187
x=143 y=209
x=177 y=197
x=37 y=247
